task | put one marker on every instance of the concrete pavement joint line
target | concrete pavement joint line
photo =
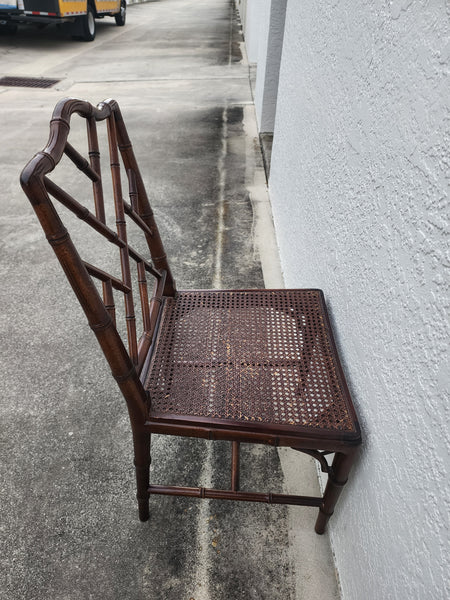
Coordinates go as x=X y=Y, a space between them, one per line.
x=230 y=35
x=220 y=228
x=249 y=74
x=141 y=79
x=203 y=562
x=217 y=278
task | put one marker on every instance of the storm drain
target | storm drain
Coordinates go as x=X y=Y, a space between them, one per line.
x=33 y=82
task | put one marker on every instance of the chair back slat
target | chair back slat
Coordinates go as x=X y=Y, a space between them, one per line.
x=155 y=305
x=122 y=234
x=143 y=291
x=97 y=188
x=81 y=163
x=82 y=212
x=143 y=205
x=94 y=158
x=117 y=284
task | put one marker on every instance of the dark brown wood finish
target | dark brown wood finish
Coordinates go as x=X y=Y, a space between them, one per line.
x=255 y=366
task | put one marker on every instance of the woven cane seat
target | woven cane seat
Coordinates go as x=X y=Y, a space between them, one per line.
x=257 y=356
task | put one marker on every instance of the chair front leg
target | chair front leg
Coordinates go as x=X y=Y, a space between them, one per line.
x=141 y=441
x=337 y=478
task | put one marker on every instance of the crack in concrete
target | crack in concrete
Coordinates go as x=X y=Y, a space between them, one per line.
x=203 y=562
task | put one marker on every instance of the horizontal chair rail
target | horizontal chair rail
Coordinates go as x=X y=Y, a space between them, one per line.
x=103 y=276
x=269 y=498
x=81 y=163
x=85 y=215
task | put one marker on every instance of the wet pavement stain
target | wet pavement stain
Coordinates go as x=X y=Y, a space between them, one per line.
x=187 y=216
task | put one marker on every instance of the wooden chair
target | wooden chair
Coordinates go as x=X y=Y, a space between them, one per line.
x=256 y=366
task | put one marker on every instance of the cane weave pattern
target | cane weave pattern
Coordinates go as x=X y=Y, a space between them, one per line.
x=258 y=356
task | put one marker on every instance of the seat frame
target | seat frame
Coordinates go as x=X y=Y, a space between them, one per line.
x=130 y=366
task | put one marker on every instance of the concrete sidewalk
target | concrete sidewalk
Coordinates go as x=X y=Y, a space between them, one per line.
x=69 y=527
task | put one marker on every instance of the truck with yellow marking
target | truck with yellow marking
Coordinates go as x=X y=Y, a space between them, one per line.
x=76 y=15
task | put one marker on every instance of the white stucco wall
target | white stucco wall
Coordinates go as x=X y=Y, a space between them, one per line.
x=271 y=31
x=263 y=39
x=251 y=26
x=358 y=188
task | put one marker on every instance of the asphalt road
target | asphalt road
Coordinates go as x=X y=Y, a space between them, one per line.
x=68 y=524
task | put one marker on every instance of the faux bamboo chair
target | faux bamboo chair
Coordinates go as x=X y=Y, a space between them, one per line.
x=255 y=366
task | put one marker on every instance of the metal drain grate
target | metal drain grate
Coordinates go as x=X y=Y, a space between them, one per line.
x=33 y=82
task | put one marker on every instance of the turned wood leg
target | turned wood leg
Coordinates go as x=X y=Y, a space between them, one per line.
x=337 y=478
x=142 y=461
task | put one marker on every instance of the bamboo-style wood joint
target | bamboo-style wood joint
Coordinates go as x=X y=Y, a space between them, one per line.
x=80 y=162
x=60 y=121
x=58 y=238
x=96 y=327
x=334 y=480
x=122 y=378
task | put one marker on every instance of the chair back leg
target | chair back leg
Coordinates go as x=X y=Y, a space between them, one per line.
x=142 y=460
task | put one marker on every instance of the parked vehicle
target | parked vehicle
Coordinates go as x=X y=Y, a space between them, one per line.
x=78 y=15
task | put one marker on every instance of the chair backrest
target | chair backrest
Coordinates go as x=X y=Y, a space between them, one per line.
x=136 y=265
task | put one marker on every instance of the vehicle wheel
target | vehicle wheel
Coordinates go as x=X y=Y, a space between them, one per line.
x=88 y=25
x=122 y=15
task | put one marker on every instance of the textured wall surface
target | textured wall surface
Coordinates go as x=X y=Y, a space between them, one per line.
x=272 y=16
x=262 y=56
x=358 y=187
x=252 y=23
